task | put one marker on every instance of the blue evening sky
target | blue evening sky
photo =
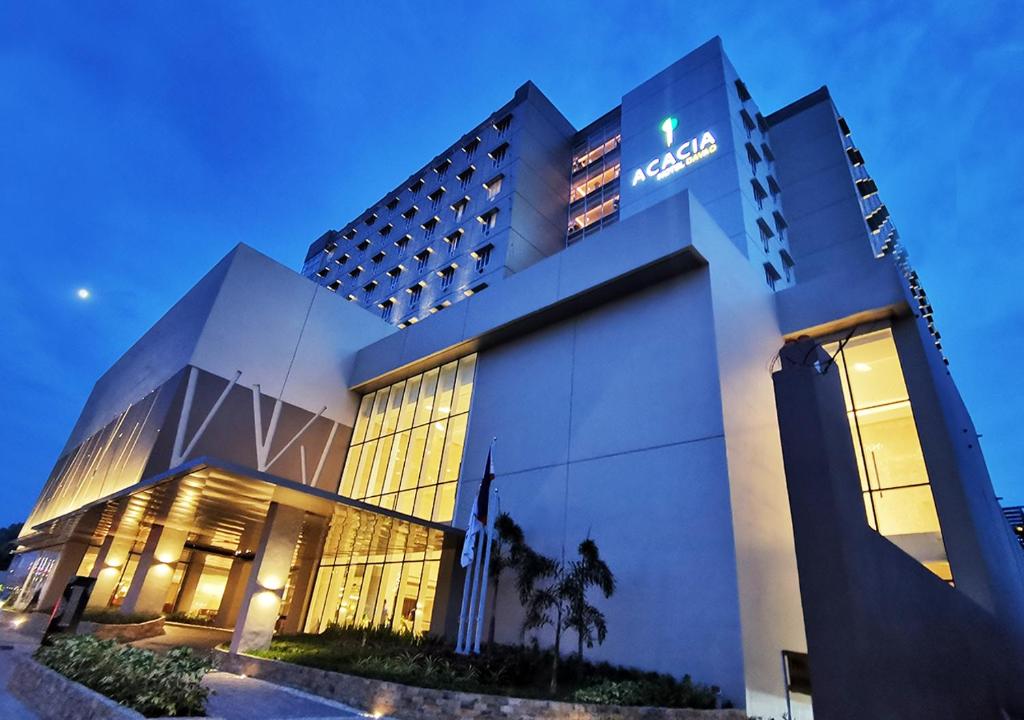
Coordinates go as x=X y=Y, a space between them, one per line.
x=139 y=142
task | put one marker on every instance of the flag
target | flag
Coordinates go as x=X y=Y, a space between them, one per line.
x=478 y=520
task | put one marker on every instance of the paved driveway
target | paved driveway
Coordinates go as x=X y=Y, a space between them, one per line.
x=13 y=641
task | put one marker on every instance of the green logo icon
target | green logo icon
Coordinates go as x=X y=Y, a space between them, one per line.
x=667 y=127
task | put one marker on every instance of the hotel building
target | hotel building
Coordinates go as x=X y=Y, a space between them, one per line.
x=281 y=455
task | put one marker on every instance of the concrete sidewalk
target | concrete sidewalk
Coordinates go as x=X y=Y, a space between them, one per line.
x=14 y=639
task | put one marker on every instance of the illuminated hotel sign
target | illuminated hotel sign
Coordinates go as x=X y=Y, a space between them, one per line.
x=690 y=152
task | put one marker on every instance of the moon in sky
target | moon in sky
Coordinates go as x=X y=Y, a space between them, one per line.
x=83 y=294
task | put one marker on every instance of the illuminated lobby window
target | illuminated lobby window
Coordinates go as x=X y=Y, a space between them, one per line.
x=376 y=571
x=588 y=184
x=894 y=481
x=407 y=444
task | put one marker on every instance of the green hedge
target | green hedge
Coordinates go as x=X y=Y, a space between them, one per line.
x=154 y=685
x=110 y=616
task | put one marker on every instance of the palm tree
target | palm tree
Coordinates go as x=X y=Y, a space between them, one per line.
x=565 y=597
x=505 y=551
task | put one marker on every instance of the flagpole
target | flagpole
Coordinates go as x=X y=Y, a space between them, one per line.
x=460 y=646
x=470 y=615
x=486 y=571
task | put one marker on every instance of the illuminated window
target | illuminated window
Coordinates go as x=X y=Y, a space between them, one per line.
x=435 y=198
x=498 y=153
x=594 y=214
x=587 y=184
x=447 y=276
x=501 y=127
x=489 y=219
x=407 y=443
x=894 y=480
x=585 y=156
x=421 y=258
x=376 y=571
x=493 y=186
x=430 y=226
x=415 y=293
x=482 y=256
x=453 y=241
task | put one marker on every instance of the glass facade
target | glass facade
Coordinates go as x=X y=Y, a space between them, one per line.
x=406 y=448
x=594 y=180
x=894 y=480
x=376 y=571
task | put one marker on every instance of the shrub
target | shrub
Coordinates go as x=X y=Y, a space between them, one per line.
x=180 y=617
x=108 y=616
x=151 y=684
x=657 y=690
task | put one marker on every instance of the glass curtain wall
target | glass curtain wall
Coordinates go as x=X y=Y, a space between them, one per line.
x=377 y=571
x=894 y=480
x=407 y=443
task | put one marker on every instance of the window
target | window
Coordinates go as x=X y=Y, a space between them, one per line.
x=471 y=147
x=773 y=186
x=350 y=234
x=482 y=256
x=753 y=158
x=403 y=242
x=447 y=275
x=876 y=220
x=498 y=153
x=378 y=258
x=392 y=204
x=429 y=226
x=465 y=177
x=762 y=124
x=582 y=157
x=843 y=127
x=767 y=152
x=385 y=230
x=422 y=257
x=342 y=259
x=453 y=241
x=867 y=187
x=356 y=272
x=787 y=264
x=410 y=214
x=493 y=186
x=405 y=456
x=440 y=306
x=415 y=293
x=766 y=232
x=459 y=208
x=330 y=247
x=370 y=219
x=351 y=298
x=435 y=198
x=771 y=275
x=489 y=219
x=442 y=168
x=894 y=480
x=855 y=156
x=501 y=127
x=416 y=186
x=394 y=274
x=323 y=272
x=368 y=289
x=362 y=247
x=780 y=224
x=759 y=193
x=741 y=91
x=748 y=122
x=593 y=214
x=468 y=292
x=334 y=286
x=386 y=309
x=592 y=182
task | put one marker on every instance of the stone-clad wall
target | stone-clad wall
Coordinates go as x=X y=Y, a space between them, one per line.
x=404 y=702
x=129 y=632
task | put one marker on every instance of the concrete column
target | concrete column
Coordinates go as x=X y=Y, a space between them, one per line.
x=261 y=603
x=71 y=555
x=155 y=570
x=111 y=559
x=190 y=582
x=234 y=592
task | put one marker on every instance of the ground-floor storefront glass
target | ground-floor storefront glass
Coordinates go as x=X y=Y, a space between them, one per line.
x=376 y=571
